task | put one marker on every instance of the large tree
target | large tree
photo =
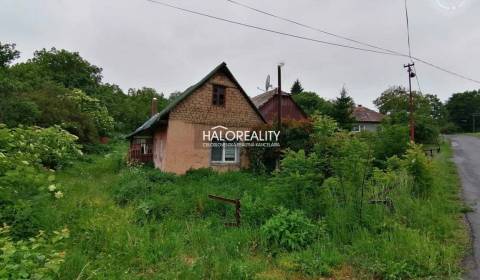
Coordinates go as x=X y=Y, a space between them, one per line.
x=429 y=112
x=296 y=87
x=68 y=68
x=461 y=106
x=342 y=110
x=8 y=54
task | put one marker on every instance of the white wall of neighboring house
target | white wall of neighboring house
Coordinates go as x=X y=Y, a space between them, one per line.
x=365 y=127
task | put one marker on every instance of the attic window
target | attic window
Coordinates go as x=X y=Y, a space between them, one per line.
x=218 y=96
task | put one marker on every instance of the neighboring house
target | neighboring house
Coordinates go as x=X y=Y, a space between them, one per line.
x=173 y=139
x=366 y=119
x=267 y=103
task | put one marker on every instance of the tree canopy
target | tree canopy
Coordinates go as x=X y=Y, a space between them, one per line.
x=59 y=87
x=310 y=103
x=460 y=108
x=342 y=110
x=429 y=112
x=296 y=87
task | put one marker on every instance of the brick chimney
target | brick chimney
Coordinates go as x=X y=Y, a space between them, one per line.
x=154 y=107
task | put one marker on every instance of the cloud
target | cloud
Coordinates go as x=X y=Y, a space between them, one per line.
x=138 y=43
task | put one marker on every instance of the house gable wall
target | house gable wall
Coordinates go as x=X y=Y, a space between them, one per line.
x=184 y=147
x=197 y=108
x=290 y=110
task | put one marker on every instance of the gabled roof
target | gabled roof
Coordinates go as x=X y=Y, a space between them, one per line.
x=155 y=119
x=263 y=98
x=363 y=114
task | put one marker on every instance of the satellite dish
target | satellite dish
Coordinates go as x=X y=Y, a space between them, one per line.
x=267 y=83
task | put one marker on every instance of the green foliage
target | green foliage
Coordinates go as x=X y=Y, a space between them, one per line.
x=419 y=167
x=296 y=87
x=310 y=102
x=95 y=111
x=298 y=183
x=8 y=53
x=429 y=112
x=167 y=223
x=295 y=135
x=51 y=147
x=342 y=110
x=390 y=140
x=460 y=108
x=67 y=68
x=26 y=188
x=38 y=257
x=138 y=105
x=289 y=231
x=58 y=87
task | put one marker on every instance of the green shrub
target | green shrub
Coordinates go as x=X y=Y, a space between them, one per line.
x=159 y=177
x=200 y=173
x=52 y=147
x=390 y=140
x=133 y=185
x=297 y=184
x=419 y=167
x=289 y=230
x=38 y=257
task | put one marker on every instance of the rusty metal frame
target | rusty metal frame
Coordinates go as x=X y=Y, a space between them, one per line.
x=235 y=202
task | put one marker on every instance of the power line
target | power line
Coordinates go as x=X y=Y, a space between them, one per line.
x=416 y=77
x=311 y=27
x=410 y=46
x=271 y=30
x=355 y=41
x=392 y=53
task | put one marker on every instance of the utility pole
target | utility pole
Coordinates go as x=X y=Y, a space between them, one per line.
x=473 y=116
x=279 y=107
x=279 y=97
x=411 y=75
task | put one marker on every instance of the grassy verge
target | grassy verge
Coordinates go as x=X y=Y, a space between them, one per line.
x=162 y=227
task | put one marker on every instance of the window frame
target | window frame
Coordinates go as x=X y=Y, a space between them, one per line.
x=223 y=161
x=217 y=96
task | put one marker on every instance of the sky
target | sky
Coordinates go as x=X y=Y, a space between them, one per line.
x=139 y=43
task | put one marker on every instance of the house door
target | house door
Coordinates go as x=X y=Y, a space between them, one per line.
x=160 y=152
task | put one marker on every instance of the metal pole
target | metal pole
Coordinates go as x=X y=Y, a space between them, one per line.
x=279 y=96
x=411 y=75
x=474 y=115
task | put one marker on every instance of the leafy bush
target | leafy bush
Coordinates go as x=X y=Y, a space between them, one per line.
x=419 y=167
x=133 y=185
x=38 y=257
x=299 y=180
x=200 y=172
x=390 y=140
x=26 y=187
x=51 y=147
x=289 y=230
x=94 y=109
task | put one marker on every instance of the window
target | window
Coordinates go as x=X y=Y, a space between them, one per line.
x=224 y=152
x=356 y=128
x=218 y=96
x=145 y=145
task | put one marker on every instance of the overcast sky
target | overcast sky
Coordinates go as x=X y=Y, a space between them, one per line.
x=138 y=43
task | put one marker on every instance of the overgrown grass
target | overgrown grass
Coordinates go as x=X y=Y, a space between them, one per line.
x=130 y=223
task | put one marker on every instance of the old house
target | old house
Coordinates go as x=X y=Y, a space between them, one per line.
x=267 y=104
x=174 y=139
x=366 y=119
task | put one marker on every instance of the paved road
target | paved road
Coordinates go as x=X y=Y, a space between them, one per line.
x=467 y=157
